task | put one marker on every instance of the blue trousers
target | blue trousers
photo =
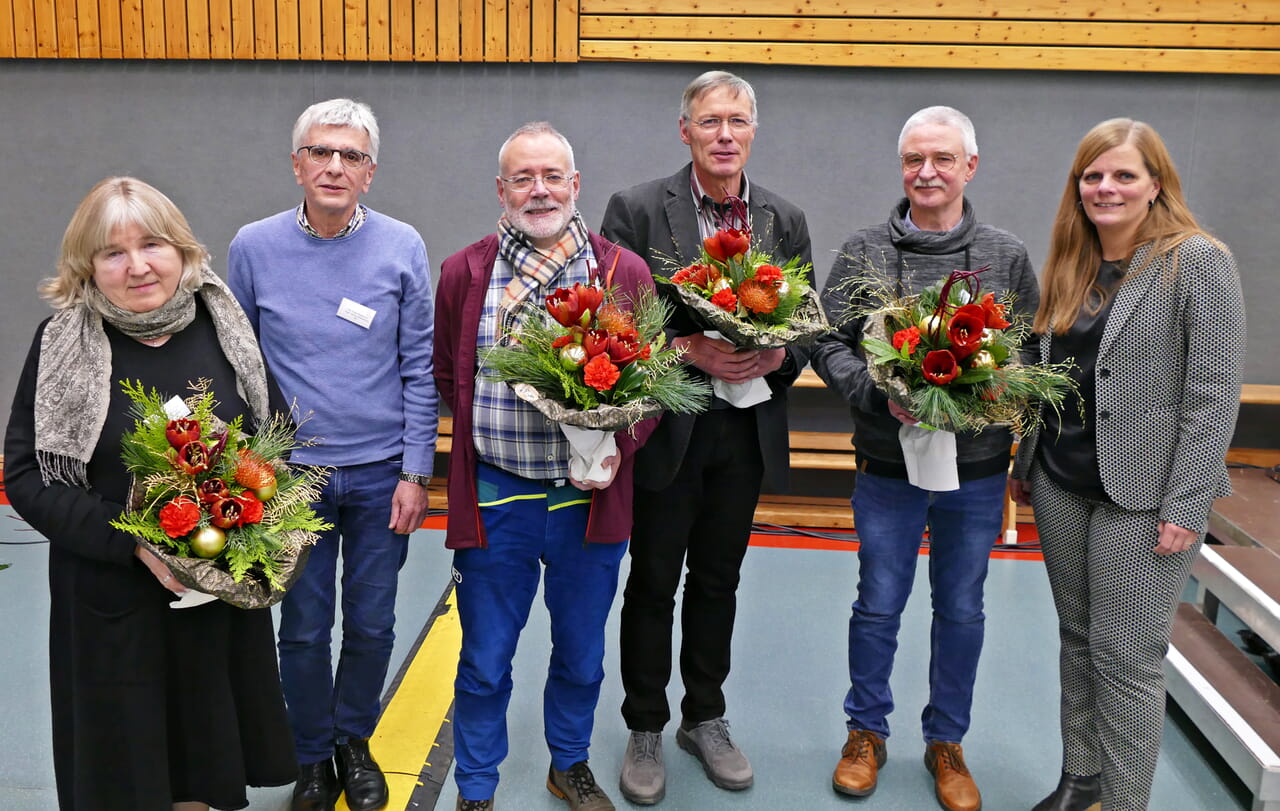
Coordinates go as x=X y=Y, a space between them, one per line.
x=890 y=516
x=324 y=707
x=534 y=532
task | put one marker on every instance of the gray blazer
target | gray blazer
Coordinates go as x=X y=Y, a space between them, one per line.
x=1168 y=384
x=658 y=220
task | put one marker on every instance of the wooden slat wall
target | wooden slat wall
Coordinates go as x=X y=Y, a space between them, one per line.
x=1193 y=36
x=1190 y=36
x=355 y=30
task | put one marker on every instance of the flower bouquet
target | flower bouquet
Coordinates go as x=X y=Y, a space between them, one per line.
x=743 y=294
x=951 y=358
x=595 y=367
x=219 y=507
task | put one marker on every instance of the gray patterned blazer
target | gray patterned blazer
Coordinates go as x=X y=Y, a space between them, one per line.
x=1168 y=384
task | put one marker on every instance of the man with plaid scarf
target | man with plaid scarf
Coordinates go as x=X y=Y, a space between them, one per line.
x=515 y=514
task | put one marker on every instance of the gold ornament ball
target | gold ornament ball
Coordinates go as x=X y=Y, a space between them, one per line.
x=208 y=542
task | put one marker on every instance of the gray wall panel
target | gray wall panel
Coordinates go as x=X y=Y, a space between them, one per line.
x=215 y=137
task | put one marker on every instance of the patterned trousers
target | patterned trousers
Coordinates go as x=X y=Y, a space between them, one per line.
x=1116 y=600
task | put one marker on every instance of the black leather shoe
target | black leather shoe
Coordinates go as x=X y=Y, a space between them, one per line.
x=316 y=789
x=360 y=776
x=1074 y=793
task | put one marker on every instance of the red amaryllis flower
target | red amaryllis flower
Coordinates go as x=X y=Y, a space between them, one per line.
x=180 y=432
x=964 y=330
x=576 y=305
x=727 y=243
x=769 y=274
x=940 y=367
x=697 y=276
x=192 y=458
x=595 y=341
x=225 y=514
x=600 y=373
x=179 y=517
x=757 y=296
x=211 y=490
x=251 y=508
x=725 y=300
x=909 y=336
x=623 y=349
x=563 y=340
x=994 y=312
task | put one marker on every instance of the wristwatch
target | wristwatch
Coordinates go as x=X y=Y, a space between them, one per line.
x=415 y=478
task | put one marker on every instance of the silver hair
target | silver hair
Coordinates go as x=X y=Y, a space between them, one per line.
x=338 y=113
x=710 y=81
x=943 y=116
x=536 y=128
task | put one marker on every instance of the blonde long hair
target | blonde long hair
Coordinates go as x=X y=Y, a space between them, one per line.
x=116 y=202
x=1075 y=253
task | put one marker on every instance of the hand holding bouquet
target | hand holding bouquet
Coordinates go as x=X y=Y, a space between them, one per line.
x=743 y=293
x=950 y=356
x=219 y=507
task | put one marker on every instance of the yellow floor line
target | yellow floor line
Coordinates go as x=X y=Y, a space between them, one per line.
x=407 y=730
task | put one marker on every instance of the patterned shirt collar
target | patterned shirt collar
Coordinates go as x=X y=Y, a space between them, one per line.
x=708 y=217
x=353 y=225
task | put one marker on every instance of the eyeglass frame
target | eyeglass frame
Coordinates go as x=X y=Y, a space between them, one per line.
x=902 y=161
x=365 y=157
x=706 y=126
x=533 y=182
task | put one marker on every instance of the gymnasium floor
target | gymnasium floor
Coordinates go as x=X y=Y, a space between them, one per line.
x=784 y=694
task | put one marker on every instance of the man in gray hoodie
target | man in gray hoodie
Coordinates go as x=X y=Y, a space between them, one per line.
x=930 y=233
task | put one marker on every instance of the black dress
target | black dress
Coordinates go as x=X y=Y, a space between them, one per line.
x=151 y=706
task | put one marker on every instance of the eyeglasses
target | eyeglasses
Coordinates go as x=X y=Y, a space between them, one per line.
x=351 y=158
x=523 y=183
x=714 y=124
x=942 y=161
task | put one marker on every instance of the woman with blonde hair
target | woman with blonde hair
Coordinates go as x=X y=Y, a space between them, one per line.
x=153 y=709
x=1148 y=306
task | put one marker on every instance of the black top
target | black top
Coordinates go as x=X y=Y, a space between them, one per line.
x=150 y=706
x=1068 y=441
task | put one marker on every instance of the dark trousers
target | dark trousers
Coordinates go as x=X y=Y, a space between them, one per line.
x=702 y=519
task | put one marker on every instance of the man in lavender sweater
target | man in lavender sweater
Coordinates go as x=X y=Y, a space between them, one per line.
x=340 y=297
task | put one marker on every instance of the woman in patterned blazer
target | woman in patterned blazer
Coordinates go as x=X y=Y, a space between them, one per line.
x=1122 y=479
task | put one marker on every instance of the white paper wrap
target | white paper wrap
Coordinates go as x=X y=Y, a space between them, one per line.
x=192 y=598
x=740 y=395
x=588 y=448
x=931 y=458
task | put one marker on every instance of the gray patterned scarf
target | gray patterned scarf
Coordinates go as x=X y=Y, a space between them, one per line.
x=73 y=379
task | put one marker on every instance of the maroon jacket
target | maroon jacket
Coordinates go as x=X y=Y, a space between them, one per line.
x=464 y=279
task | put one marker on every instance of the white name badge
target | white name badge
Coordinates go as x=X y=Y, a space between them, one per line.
x=356 y=313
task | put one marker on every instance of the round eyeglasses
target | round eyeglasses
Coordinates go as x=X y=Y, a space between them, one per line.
x=942 y=161
x=524 y=183
x=351 y=158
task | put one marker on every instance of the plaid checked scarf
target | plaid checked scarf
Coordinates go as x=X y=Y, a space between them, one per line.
x=533 y=268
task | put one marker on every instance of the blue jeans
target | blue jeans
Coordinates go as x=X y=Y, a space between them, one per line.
x=890 y=516
x=530 y=527
x=324 y=708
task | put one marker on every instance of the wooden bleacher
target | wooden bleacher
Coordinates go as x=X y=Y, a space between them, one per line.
x=1231 y=700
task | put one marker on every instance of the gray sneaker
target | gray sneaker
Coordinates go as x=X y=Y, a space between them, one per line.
x=644 y=778
x=723 y=762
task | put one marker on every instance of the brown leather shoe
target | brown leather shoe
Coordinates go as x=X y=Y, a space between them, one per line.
x=951 y=779
x=861 y=759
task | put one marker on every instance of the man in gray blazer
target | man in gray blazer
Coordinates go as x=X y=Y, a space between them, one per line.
x=699 y=477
